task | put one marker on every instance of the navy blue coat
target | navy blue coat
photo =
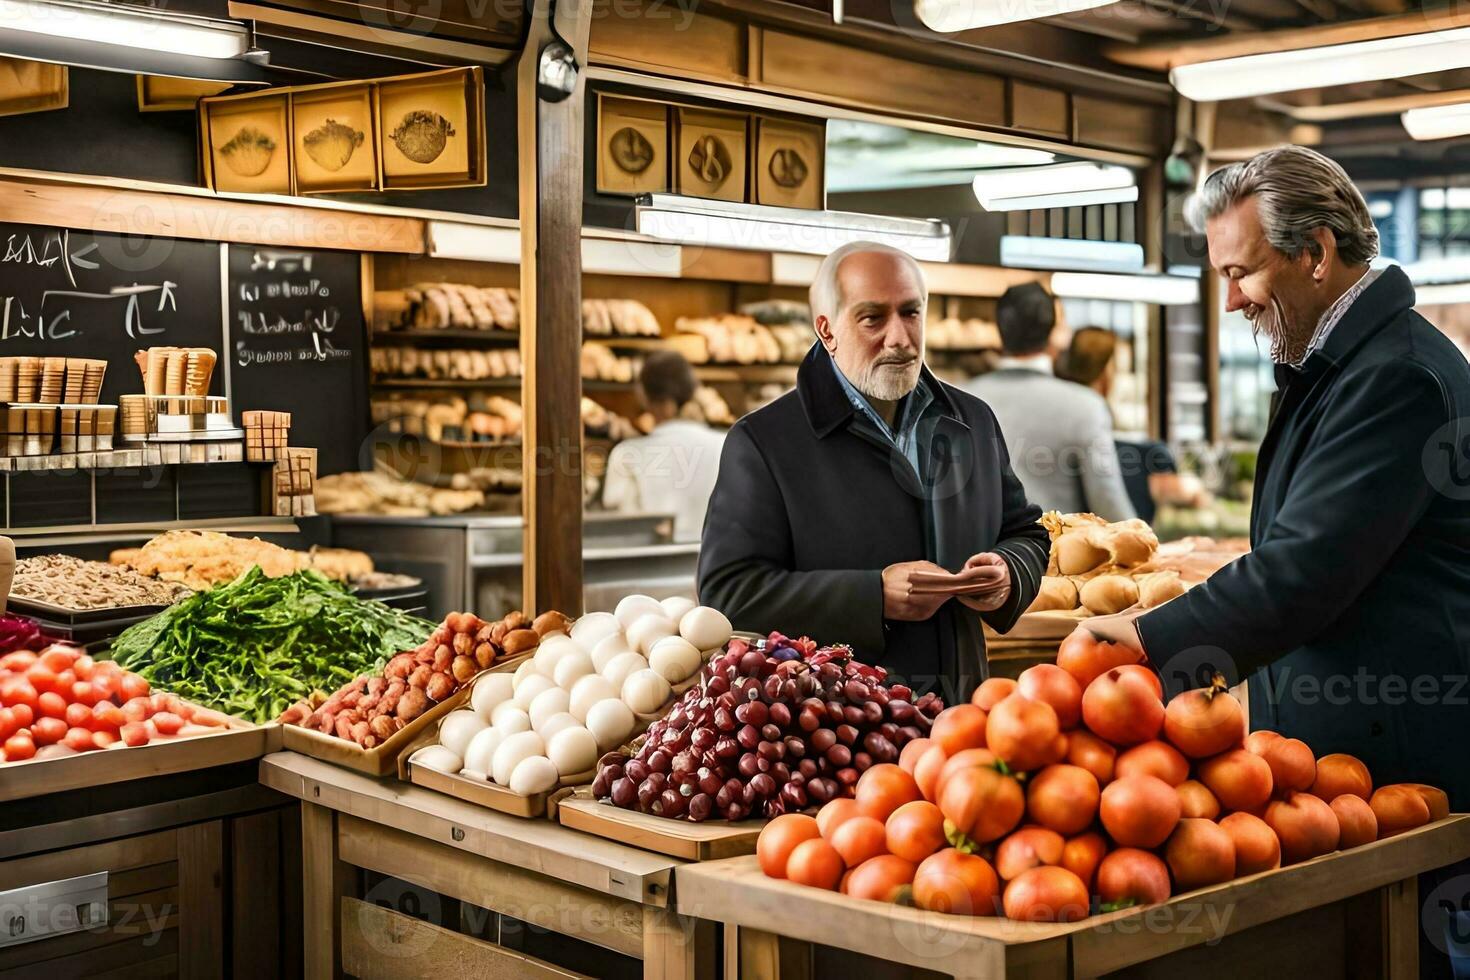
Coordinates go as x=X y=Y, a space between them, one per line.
x=813 y=502
x=1352 y=611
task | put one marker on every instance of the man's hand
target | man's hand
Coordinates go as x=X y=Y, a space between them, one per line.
x=900 y=599
x=998 y=596
x=1118 y=629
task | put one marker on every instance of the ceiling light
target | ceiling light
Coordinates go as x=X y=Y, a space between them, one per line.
x=1070 y=199
x=1438 y=122
x=996 y=190
x=947 y=16
x=1028 y=252
x=1323 y=67
x=1155 y=289
x=126 y=26
x=722 y=224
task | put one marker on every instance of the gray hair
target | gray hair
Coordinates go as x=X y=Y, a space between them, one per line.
x=1297 y=191
x=826 y=293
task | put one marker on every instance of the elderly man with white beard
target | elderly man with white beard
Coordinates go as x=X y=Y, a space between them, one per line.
x=874 y=505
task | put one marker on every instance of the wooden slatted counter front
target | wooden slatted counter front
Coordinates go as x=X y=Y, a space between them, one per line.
x=533 y=871
x=1351 y=914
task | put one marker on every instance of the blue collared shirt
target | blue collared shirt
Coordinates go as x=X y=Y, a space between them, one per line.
x=904 y=433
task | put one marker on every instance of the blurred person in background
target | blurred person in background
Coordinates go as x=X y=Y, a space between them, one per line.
x=1059 y=434
x=672 y=469
x=1148 y=468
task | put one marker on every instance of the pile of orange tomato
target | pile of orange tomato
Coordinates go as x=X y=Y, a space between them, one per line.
x=1074 y=789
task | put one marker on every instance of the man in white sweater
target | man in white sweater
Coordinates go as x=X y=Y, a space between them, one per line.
x=1059 y=434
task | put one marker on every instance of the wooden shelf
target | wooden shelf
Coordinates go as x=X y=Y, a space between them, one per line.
x=746 y=373
x=488 y=384
x=457 y=337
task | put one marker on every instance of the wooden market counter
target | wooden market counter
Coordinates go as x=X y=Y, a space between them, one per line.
x=1351 y=913
x=602 y=893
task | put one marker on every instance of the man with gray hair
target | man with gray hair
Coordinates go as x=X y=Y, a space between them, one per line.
x=1350 y=612
x=874 y=505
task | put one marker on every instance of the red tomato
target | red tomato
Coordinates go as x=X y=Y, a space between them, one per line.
x=103 y=739
x=82 y=692
x=779 y=838
x=19 y=746
x=79 y=740
x=8 y=725
x=84 y=667
x=18 y=661
x=78 y=715
x=51 y=705
x=137 y=709
x=47 y=731
x=108 y=717
x=42 y=677
x=104 y=684
x=859 y=839
x=132 y=686
x=64 y=682
x=815 y=862
x=17 y=689
x=134 y=734
x=167 y=723
x=24 y=715
x=60 y=658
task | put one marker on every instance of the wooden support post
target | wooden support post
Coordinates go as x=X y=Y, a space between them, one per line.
x=325 y=882
x=201 y=900
x=551 y=155
x=677 y=947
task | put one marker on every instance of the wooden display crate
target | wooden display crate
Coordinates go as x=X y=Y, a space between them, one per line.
x=708 y=841
x=1352 y=912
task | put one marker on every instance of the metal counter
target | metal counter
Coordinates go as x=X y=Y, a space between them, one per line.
x=473 y=562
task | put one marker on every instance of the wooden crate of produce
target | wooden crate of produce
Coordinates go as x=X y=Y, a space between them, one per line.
x=1360 y=903
x=684 y=839
x=382 y=760
x=239 y=742
x=483 y=792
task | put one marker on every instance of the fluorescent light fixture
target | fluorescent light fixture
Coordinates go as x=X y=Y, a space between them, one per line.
x=1056 y=185
x=475 y=243
x=1438 y=122
x=1156 y=289
x=127 y=26
x=722 y=224
x=1323 y=67
x=1027 y=252
x=947 y=16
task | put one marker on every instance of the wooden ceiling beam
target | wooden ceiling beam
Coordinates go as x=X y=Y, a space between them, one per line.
x=1166 y=55
x=1340 y=111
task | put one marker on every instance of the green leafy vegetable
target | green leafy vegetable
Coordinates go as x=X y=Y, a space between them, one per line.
x=256 y=645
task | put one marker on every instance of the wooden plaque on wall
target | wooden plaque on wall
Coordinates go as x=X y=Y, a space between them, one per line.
x=632 y=146
x=710 y=160
x=788 y=165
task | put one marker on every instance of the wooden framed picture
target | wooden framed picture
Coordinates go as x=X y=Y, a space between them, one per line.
x=247 y=143
x=710 y=156
x=32 y=86
x=788 y=163
x=334 y=147
x=159 y=93
x=632 y=145
x=431 y=129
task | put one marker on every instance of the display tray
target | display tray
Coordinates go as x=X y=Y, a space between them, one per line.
x=708 y=841
x=382 y=760
x=61 y=615
x=493 y=796
x=240 y=742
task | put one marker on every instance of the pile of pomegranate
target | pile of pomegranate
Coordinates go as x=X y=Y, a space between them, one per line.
x=1074 y=790
x=767 y=730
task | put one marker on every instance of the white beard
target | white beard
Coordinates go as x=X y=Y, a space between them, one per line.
x=1286 y=348
x=888 y=382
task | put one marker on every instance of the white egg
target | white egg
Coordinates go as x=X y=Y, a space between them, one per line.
x=648 y=630
x=572 y=750
x=611 y=722
x=619 y=667
x=510 y=718
x=646 y=691
x=607 y=648
x=676 y=607
x=634 y=607
x=481 y=751
x=554 y=724
x=572 y=668
x=512 y=750
x=490 y=691
x=528 y=689
x=593 y=627
x=550 y=652
x=526 y=669
x=439 y=758
x=706 y=628
x=457 y=728
x=552 y=701
x=674 y=657
x=536 y=774
x=587 y=692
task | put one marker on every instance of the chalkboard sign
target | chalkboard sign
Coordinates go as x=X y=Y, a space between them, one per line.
x=93 y=294
x=298 y=344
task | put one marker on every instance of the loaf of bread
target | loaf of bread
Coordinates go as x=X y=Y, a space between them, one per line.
x=1108 y=594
